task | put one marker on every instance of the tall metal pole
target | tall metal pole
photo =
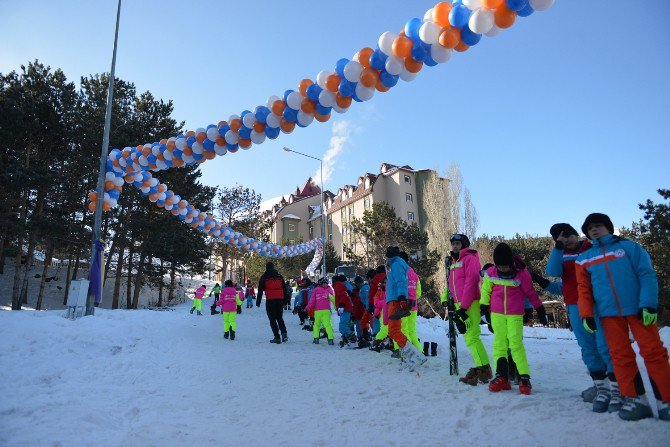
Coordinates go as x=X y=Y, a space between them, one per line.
x=323 y=226
x=103 y=158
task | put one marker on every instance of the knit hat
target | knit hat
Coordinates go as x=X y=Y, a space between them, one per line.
x=228 y=283
x=465 y=242
x=269 y=265
x=404 y=256
x=392 y=252
x=502 y=255
x=597 y=218
x=565 y=228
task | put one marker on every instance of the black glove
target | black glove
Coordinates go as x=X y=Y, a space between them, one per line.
x=528 y=315
x=540 y=280
x=402 y=298
x=559 y=245
x=490 y=327
x=461 y=319
x=485 y=310
x=542 y=316
x=445 y=303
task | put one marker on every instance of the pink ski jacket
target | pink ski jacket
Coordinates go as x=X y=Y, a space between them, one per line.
x=321 y=298
x=229 y=300
x=464 y=277
x=380 y=306
x=506 y=296
x=413 y=288
x=200 y=291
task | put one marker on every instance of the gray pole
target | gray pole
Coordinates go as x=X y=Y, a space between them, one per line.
x=323 y=226
x=103 y=158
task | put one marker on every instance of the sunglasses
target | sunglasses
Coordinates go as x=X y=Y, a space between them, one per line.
x=456 y=237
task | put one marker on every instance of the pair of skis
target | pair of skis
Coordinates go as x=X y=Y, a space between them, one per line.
x=451 y=308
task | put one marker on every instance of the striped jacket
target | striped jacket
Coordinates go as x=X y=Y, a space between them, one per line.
x=561 y=264
x=617 y=277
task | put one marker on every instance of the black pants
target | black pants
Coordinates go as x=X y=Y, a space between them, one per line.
x=274 y=309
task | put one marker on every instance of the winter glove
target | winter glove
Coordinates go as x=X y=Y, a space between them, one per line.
x=542 y=316
x=485 y=310
x=648 y=315
x=402 y=298
x=590 y=325
x=340 y=310
x=445 y=303
x=462 y=320
x=528 y=315
x=540 y=280
x=490 y=327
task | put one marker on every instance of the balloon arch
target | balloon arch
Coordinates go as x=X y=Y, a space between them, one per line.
x=430 y=41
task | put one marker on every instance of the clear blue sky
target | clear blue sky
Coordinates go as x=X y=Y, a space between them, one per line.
x=563 y=114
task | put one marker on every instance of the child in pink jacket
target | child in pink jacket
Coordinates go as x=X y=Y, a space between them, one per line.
x=229 y=300
x=197 y=301
x=320 y=300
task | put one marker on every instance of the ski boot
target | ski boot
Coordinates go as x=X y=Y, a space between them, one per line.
x=603 y=396
x=376 y=346
x=192 y=309
x=331 y=342
x=663 y=410
x=616 y=402
x=484 y=374
x=315 y=341
x=635 y=408
x=200 y=313
x=395 y=354
x=232 y=334
x=284 y=337
x=524 y=384
x=276 y=340
x=471 y=377
x=226 y=334
x=589 y=394
x=500 y=383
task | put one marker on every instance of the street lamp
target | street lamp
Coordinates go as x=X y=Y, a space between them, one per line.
x=323 y=211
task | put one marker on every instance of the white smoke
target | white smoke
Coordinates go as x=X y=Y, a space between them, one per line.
x=341 y=135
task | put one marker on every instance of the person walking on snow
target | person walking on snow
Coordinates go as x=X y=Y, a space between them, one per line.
x=197 y=301
x=249 y=294
x=463 y=285
x=616 y=281
x=320 y=301
x=274 y=287
x=216 y=290
x=604 y=394
x=399 y=306
x=230 y=299
x=344 y=309
x=502 y=302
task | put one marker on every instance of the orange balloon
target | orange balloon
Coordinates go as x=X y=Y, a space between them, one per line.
x=450 y=37
x=146 y=151
x=286 y=126
x=162 y=187
x=109 y=185
x=441 y=13
x=201 y=137
x=413 y=66
x=461 y=47
x=244 y=143
x=492 y=4
x=187 y=151
x=343 y=101
x=278 y=107
x=153 y=166
x=116 y=163
x=190 y=133
x=402 y=46
x=322 y=118
x=369 y=77
x=333 y=82
x=258 y=126
x=160 y=156
x=236 y=124
x=128 y=178
x=106 y=206
x=302 y=87
x=307 y=106
x=92 y=206
x=92 y=196
x=221 y=123
x=504 y=17
x=364 y=56
x=170 y=146
x=177 y=162
x=210 y=155
x=153 y=197
x=380 y=87
x=220 y=141
x=146 y=183
x=174 y=211
x=119 y=188
x=163 y=141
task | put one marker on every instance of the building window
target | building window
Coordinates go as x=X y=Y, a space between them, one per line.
x=410 y=215
x=344 y=231
x=351 y=210
x=291 y=227
x=343 y=213
x=366 y=203
x=330 y=220
x=408 y=197
x=408 y=179
x=330 y=237
x=311 y=231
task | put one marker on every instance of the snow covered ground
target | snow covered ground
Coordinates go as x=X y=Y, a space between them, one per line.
x=168 y=378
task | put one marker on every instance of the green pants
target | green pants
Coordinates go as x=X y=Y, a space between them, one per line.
x=322 y=317
x=508 y=334
x=229 y=321
x=473 y=335
x=408 y=328
x=197 y=303
x=383 y=328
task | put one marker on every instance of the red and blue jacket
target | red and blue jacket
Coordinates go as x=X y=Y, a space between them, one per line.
x=561 y=264
x=617 y=277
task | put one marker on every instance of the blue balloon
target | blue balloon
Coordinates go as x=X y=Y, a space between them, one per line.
x=525 y=12
x=286 y=93
x=272 y=132
x=244 y=113
x=210 y=126
x=152 y=190
x=412 y=28
x=346 y=88
x=208 y=144
x=388 y=80
x=313 y=92
x=429 y=59
x=223 y=129
x=339 y=66
x=190 y=140
x=160 y=202
x=418 y=52
x=459 y=15
x=197 y=156
x=151 y=158
x=181 y=217
x=262 y=113
x=516 y=5
x=168 y=163
x=114 y=194
x=469 y=37
x=109 y=166
x=323 y=110
x=232 y=147
x=356 y=98
x=244 y=132
x=177 y=153
x=289 y=114
x=378 y=59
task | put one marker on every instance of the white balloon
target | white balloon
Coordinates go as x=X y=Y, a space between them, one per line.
x=180 y=143
x=440 y=54
x=249 y=120
x=109 y=176
x=271 y=100
x=293 y=100
x=167 y=155
x=212 y=134
x=386 y=42
x=233 y=117
x=407 y=76
x=145 y=189
x=322 y=77
x=364 y=93
x=305 y=119
x=118 y=181
x=481 y=21
x=327 y=98
x=339 y=109
x=197 y=148
x=220 y=150
x=161 y=165
x=494 y=31
x=272 y=121
x=394 y=65
x=142 y=160
x=473 y=4
x=161 y=196
x=231 y=137
x=429 y=32
x=352 y=71
x=356 y=57
x=541 y=5
x=428 y=16
x=153 y=181
x=257 y=137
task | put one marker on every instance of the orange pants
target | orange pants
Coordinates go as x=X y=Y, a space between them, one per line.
x=653 y=352
x=395 y=331
x=366 y=321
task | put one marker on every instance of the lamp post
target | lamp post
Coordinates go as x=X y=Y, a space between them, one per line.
x=323 y=210
x=103 y=160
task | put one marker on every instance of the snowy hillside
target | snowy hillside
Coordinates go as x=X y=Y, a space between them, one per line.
x=168 y=378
